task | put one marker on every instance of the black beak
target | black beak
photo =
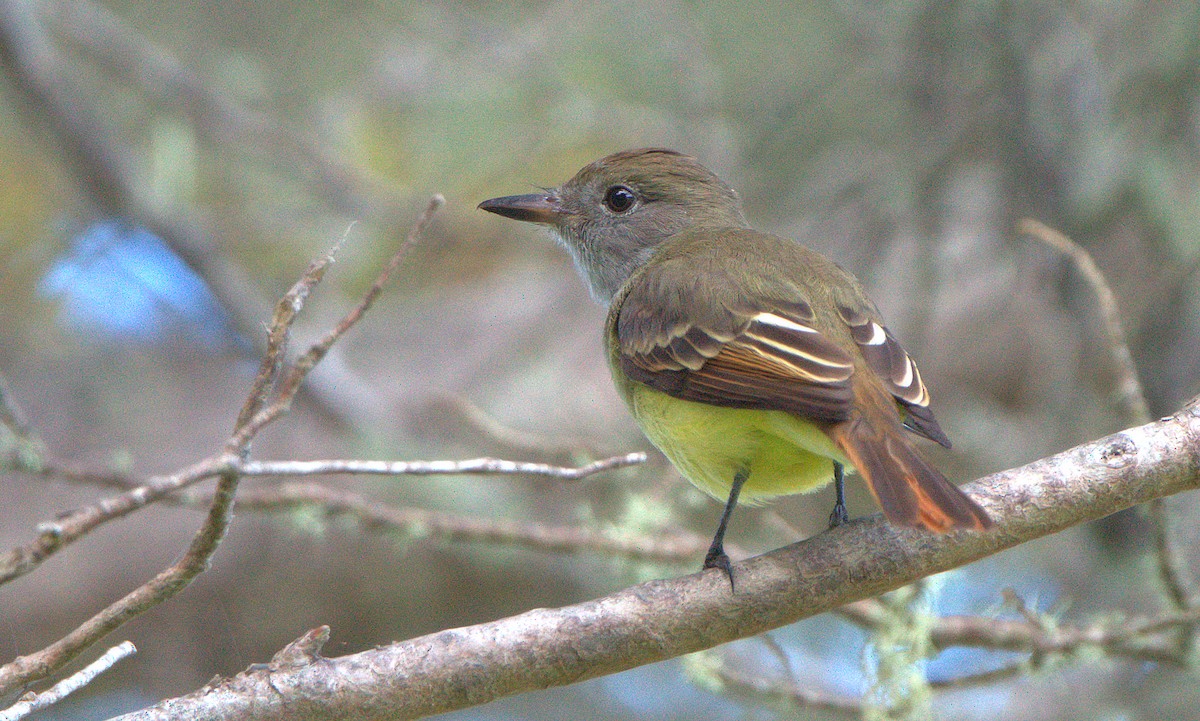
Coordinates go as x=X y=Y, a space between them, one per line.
x=534 y=208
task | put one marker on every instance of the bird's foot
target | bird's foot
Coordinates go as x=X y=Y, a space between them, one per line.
x=717 y=558
x=839 y=516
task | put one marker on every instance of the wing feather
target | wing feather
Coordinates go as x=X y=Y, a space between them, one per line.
x=775 y=360
x=899 y=372
x=725 y=342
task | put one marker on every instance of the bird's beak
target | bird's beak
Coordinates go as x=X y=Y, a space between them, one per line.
x=534 y=208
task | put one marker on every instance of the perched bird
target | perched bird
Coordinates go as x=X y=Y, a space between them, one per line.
x=759 y=367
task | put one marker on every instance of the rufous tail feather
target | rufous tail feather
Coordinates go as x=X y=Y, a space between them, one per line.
x=910 y=490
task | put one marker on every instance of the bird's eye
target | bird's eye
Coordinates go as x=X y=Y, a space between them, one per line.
x=619 y=199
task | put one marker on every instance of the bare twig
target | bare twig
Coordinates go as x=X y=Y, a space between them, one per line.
x=55 y=535
x=1012 y=599
x=1140 y=639
x=249 y=424
x=20 y=448
x=1171 y=569
x=673 y=548
x=664 y=547
x=474 y=466
x=319 y=349
x=1136 y=639
x=790 y=691
x=1129 y=388
x=278 y=334
x=514 y=438
x=33 y=63
x=781 y=687
x=37 y=701
x=105 y=167
x=983 y=678
x=785 y=690
x=165 y=585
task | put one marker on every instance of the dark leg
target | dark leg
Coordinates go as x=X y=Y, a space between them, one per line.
x=716 y=558
x=840 y=515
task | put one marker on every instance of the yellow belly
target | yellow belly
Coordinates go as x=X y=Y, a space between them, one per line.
x=709 y=444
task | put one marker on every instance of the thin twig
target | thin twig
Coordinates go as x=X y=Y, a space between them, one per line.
x=105 y=166
x=514 y=438
x=867 y=613
x=780 y=655
x=671 y=548
x=1017 y=603
x=288 y=387
x=1172 y=569
x=278 y=334
x=37 y=68
x=20 y=448
x=476 y=466
x=983 y=678
x=790 y=691
x=1172 y=572
x=786 y=690
x=55 y=535
x=37 y=701
x=318 y=350
x=1136 y=638
x=167 y=584
x=650 y=622
x=1129 y=388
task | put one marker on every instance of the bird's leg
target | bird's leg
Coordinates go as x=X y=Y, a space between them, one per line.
x=716 y=556
x=840 y=515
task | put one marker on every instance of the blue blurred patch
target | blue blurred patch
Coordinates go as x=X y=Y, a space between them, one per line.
x=120 y=282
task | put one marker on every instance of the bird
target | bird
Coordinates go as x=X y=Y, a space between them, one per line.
x=756 y=365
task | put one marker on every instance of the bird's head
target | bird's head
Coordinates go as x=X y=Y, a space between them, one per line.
x=616 y=210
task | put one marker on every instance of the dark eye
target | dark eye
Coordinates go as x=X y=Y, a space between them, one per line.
x=619 y=199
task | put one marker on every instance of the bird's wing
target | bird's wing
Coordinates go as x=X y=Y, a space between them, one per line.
x=721 y=343
x=759 y=353
x=896 y=369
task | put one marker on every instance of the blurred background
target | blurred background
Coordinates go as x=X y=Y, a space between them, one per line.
x=169 y=169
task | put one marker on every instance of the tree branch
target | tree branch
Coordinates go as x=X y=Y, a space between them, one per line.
x=37 y=701
x=663 y=619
